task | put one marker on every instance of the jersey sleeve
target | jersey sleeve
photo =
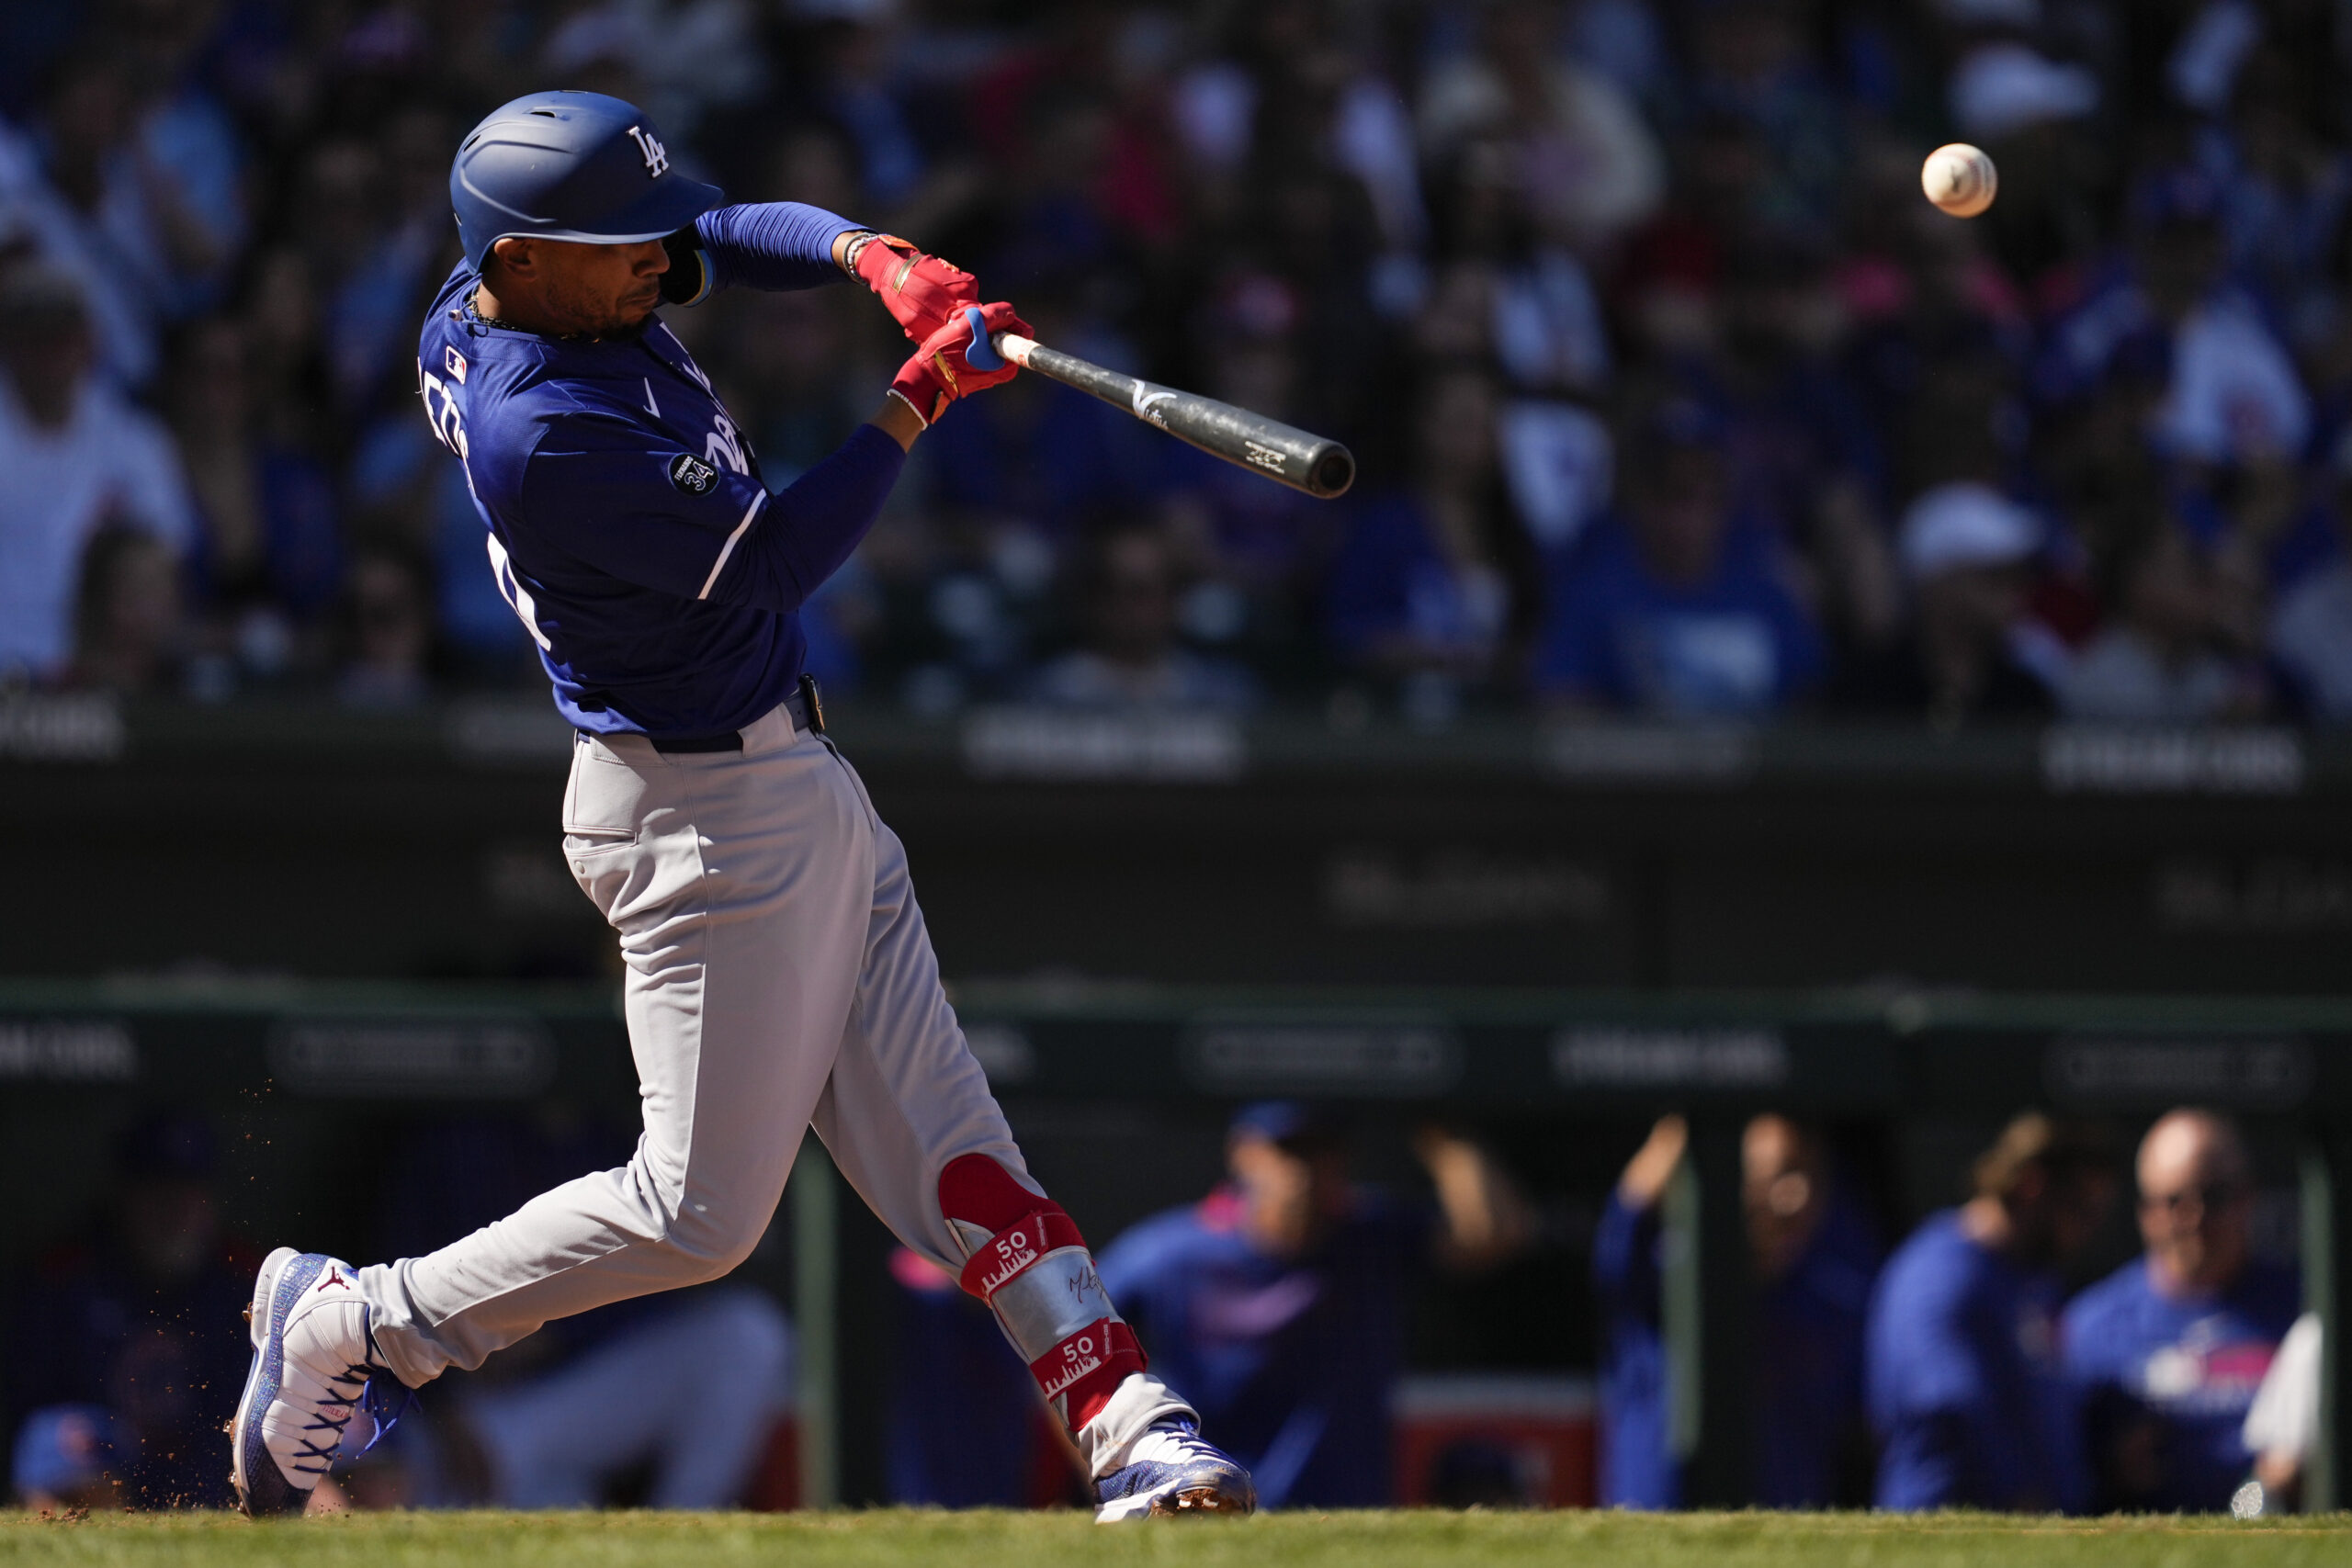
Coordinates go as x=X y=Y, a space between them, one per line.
x=771 y=245
x=630 y=502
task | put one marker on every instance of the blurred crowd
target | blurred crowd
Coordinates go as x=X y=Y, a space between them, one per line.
x=1954 y=1371
x=1673 y=397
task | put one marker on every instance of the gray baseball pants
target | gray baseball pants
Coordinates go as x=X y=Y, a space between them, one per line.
x=779 y=977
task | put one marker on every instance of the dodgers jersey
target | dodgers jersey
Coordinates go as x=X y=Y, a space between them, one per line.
x=628 y=525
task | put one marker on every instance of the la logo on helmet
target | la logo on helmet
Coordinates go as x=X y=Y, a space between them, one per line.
x=656 y=158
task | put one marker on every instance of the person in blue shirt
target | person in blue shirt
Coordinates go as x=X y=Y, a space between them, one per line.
x=1961 y=1371
x=1278 y=1301
x=2167 y=1353
x=1436 y=580
x=1674 y=609
x=1814 y=1255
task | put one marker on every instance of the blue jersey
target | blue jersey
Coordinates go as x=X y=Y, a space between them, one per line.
x=1290 y=1361
x=1963 y=1380
x=628 y=523
x=1638 y=1468
x=1808 y=1341
x=2169 y=1380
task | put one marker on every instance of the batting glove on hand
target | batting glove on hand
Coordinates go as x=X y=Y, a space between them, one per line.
x=922 y=291
x=958 y=360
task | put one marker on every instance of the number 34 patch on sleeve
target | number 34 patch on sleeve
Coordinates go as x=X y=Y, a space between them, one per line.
x=690 y=474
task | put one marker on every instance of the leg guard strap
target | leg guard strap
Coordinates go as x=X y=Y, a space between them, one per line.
x=1035 y=1272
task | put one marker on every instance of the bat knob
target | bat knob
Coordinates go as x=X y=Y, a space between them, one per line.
x=1331 y=472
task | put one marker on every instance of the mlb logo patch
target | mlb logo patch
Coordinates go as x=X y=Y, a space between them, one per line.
x=690 y=474
x=456 y=363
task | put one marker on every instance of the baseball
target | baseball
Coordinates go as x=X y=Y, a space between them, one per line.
x=1959 y=178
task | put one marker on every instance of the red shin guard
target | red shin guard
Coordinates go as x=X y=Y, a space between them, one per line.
x=1027 y=1259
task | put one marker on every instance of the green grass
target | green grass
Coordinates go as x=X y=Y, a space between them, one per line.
x=890 y=1540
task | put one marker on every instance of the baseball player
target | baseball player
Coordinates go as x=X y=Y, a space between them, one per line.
x=778 y=972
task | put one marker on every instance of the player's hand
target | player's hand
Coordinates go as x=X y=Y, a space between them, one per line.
x=922 y=291
x=958 y=360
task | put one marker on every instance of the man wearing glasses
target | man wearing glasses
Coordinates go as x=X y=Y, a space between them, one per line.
x=2166 y=1352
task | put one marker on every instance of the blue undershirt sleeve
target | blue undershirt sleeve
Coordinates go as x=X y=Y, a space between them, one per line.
x=809 y=528
x=771 y=245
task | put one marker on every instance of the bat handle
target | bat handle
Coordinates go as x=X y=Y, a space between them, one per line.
x=1013 y=346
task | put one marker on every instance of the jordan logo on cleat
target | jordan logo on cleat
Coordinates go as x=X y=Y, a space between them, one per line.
x=333 y=1277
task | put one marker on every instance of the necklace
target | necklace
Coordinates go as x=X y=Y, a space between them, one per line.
x=473 y=310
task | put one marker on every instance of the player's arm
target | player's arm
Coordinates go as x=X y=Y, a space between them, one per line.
x=1485 y=1218
x=619 y=496
x=790 y=244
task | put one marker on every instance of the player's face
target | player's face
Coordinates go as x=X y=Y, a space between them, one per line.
x=602 y=289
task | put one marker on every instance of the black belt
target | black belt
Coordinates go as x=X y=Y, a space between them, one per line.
x=806 y=705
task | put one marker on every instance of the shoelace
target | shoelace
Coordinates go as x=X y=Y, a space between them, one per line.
x=371 y=1397
x=361 y=1377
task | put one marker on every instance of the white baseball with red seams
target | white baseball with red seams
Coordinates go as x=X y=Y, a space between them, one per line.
x=1960 y=179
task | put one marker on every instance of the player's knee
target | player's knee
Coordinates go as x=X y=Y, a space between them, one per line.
x=712 y=1240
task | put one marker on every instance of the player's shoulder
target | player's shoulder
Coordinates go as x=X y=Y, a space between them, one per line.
x=1171 y=1238
x=1938 y=1261
x=2104 y=1306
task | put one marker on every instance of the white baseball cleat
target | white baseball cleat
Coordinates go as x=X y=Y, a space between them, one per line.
x=1172 y=1473
x=313 y=1355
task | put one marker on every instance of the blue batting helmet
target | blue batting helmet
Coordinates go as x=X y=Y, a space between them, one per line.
x=570 y=166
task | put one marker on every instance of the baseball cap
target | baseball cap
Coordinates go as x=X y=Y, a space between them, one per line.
x=1284 y=1122
x=2005 y=87
x=1964 y=525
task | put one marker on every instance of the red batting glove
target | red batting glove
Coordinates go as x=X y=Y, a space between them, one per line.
x=958 y=360
x=923 y=291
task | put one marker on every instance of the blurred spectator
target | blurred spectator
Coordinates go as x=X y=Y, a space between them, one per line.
x=1968 y=554
x=1277 y=1302
x=2231 y=394
x=129 y=634
x=139 y=1324
x=1675 y=610
x=269 y=551
x=388 y=630
x=1812 y=1256
x=1751 y=66
x=66 y=1456
x=75 y=456
x=1263 y=547
x=2155 y=661
x=1126 y=597
x=2311 y=637
x=1434 y=585
x=1961 y=1362
x=1582 y=159
x=2282 y=1428
x=1554 y=200
x=2167 y=1352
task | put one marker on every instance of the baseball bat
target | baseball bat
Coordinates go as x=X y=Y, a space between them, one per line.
x=1321 y=467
